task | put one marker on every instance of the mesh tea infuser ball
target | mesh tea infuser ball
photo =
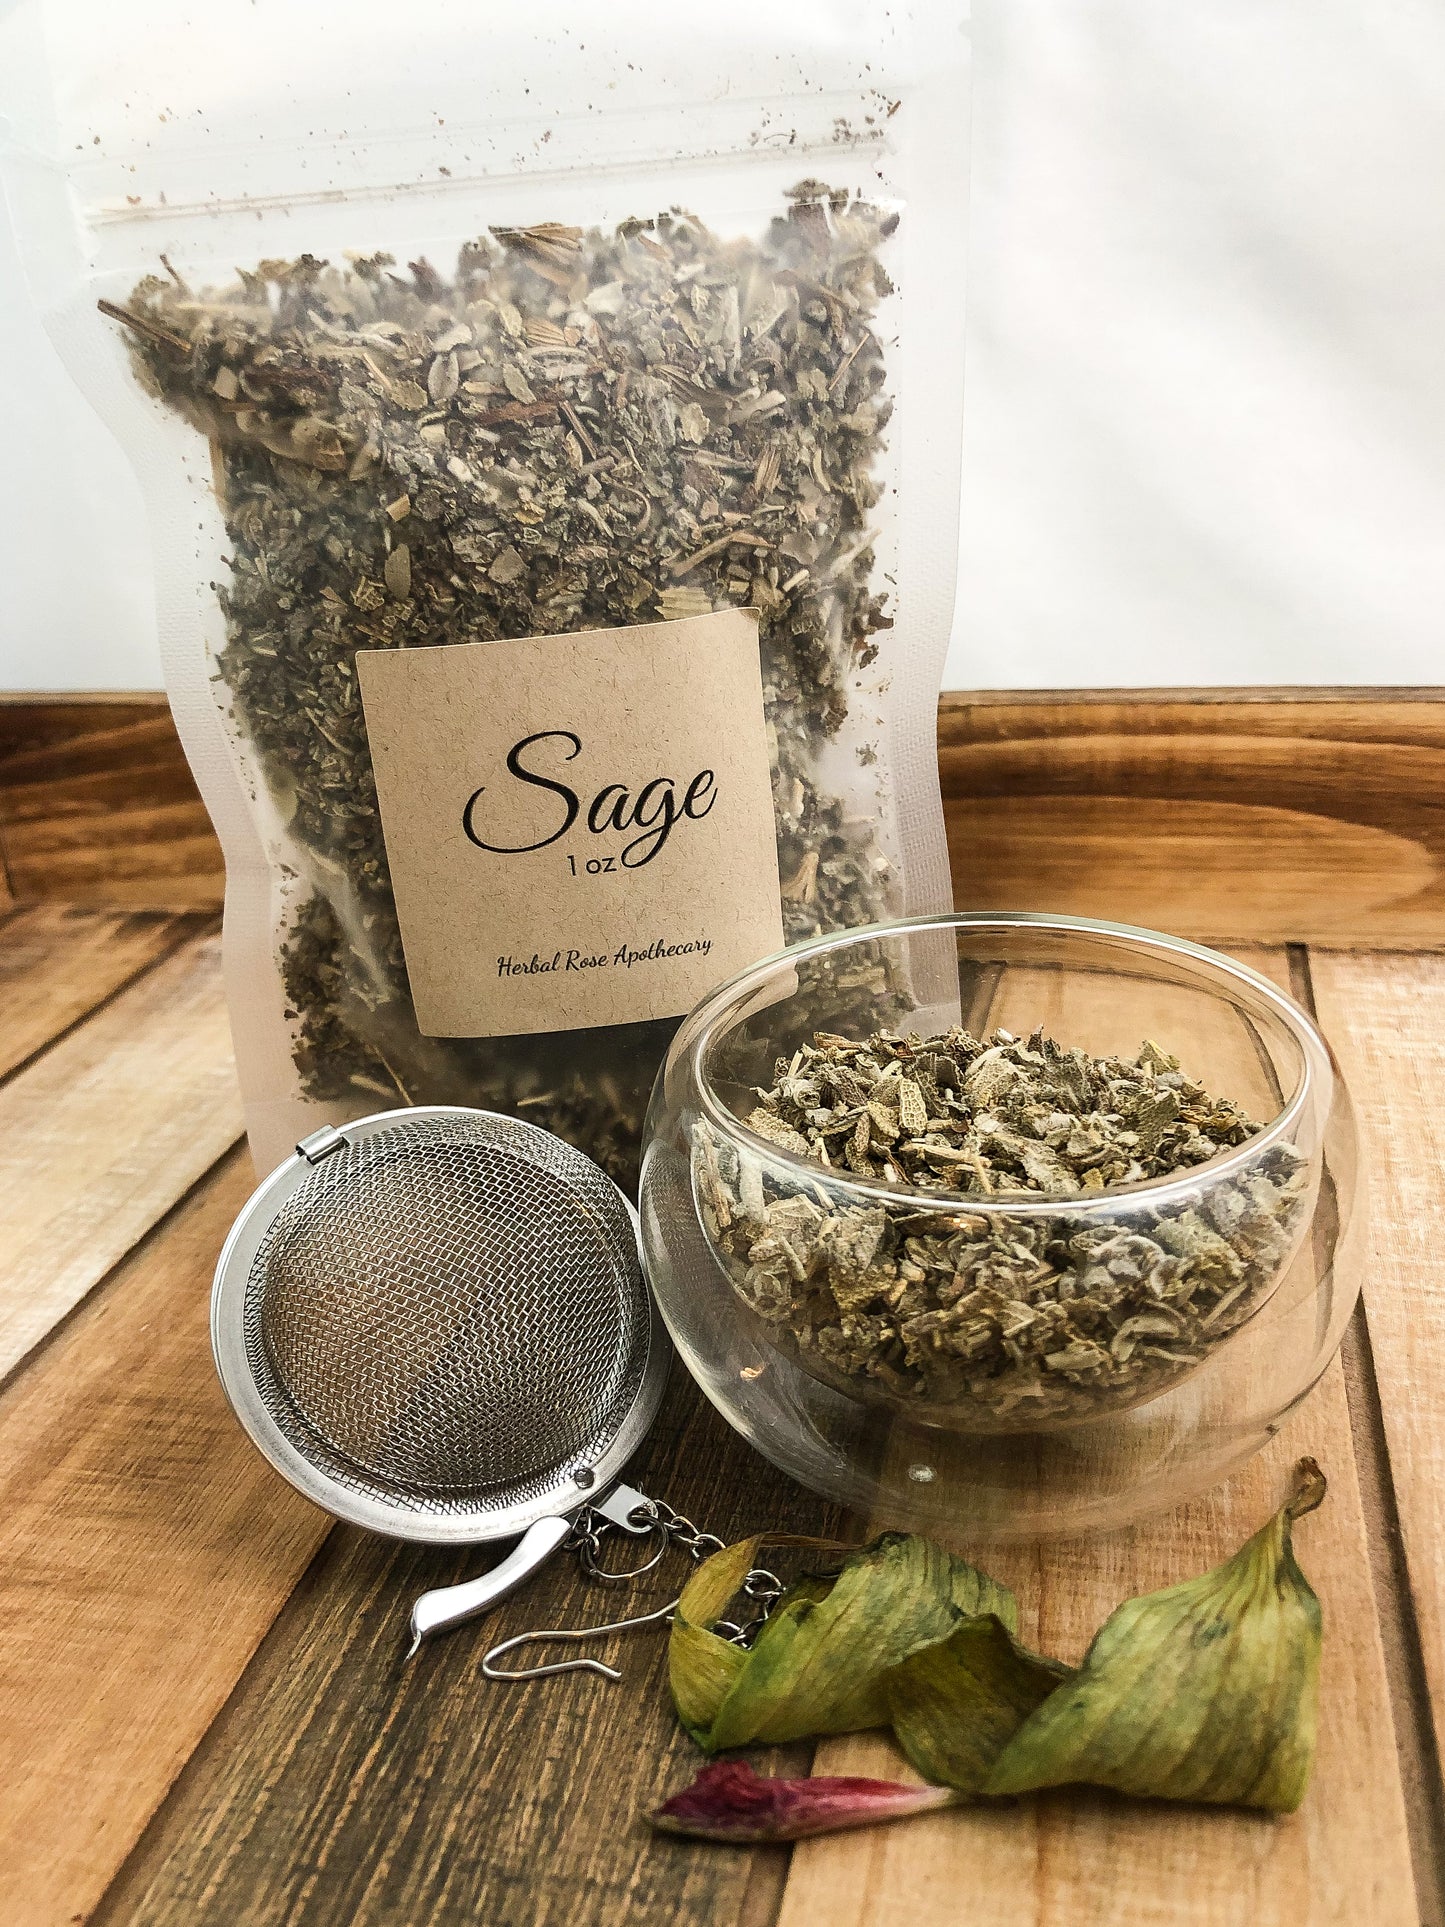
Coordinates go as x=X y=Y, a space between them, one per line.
x=434 y=1323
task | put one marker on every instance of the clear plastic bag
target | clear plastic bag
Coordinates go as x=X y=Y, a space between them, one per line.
x=424 y=329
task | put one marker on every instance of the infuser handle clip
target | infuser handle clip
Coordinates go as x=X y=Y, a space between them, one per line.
x=449 y=1605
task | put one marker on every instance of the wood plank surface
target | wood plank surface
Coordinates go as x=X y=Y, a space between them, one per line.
x=145 y=1549
x=1386 y=1019
x=1084 y=1859
x=1078 y=1857
x=98 y=807
x=100 y=1135
x=341 y=1786
x=57 y=963
x=1210 y=814
x=1259 y=815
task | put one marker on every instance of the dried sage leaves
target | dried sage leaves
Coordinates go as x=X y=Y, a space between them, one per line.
x=577 y=430
x=1207 y=1691
x=1007 y=1316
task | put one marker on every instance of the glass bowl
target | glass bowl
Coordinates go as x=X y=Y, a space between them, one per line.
x=1019 y=1365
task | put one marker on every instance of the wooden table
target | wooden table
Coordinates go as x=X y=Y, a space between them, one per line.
x=204 y=1714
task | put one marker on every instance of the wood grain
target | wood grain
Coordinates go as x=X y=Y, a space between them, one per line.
x=57 y=963
x=98 y=807
x=1079 y=1857
x=101 y=1135
x=1214 y=816
x=341 y=1786
x=1258 y=815
x=145 y=1549
x=1386 y=1019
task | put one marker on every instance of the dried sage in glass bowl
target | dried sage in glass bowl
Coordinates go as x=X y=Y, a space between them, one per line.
x=934 y=1260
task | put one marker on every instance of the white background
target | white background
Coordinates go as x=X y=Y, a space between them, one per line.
x=1206 y=413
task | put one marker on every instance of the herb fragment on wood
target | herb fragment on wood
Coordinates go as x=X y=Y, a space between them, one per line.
x=1000 y=1316
x=729 y=1801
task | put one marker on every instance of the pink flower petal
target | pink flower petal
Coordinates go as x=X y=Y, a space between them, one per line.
x=728 y=1801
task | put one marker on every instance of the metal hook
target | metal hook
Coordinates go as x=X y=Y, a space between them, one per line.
x=492 y=1671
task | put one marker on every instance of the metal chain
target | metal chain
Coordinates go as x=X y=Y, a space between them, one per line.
x=764 y=1589
x=761 y=1587
x=698 y=1545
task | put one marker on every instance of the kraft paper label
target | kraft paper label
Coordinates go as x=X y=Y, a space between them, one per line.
x=579 y=828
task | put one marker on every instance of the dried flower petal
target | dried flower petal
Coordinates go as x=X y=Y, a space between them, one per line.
x=728 y=1801
x=956 y=1705
x=701 y=1666
x=820 y=1664
x=1205 y=1691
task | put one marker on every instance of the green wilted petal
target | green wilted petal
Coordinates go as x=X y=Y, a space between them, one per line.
x=1206 y=1691
x=974 y=1593
x=956 y=1705
x=701 y=1666
x=818 y=1665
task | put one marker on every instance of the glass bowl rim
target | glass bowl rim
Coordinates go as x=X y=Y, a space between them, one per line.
x=705 y=1022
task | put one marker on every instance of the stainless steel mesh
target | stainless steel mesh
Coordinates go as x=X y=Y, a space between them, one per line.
x=448 y=1308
